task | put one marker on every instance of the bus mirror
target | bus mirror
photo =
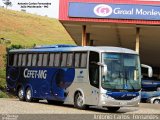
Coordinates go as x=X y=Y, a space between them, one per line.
x=97 y=63
x=100 y=64
x=104 y=72
x=150 y=71
x=104 y=68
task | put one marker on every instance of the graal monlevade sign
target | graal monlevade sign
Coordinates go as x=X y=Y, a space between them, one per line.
x=115 y=11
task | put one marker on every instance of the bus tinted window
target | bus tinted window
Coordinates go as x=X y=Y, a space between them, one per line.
x=29 y=59
x=83 y=59
x=57 y=59
x=24 y=57
x=70 y=59
x=77 y=60
x=94 y=69
x=11 y=58
x=51 y=59
x=19 y=59
x=45 y=59
x=34 y=59
x=15 y=60
x=64 y=59
x=40 y=58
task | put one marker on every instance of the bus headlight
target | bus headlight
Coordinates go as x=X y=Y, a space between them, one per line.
x=106 y=97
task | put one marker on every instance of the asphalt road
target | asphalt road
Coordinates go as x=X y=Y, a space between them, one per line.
x=14 y=106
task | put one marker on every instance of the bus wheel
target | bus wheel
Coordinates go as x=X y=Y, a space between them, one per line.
x=79 y=101
x=156 y=101
x=21 y=94
x=113 y=109
x=28 y=95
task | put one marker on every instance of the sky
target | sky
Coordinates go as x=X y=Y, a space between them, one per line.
x=52 y=10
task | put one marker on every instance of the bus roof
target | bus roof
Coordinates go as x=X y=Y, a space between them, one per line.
x=76 y=48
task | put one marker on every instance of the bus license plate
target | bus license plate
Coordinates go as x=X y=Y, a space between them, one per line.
x=123 y=103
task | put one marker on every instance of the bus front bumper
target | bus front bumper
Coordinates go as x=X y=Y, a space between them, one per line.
x=107 y=101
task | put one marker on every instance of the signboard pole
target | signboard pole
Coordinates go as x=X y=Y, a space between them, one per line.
x=84 y=40
x=137 y=39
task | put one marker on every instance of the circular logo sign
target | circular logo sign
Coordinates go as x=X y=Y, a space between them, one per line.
x=103 y=10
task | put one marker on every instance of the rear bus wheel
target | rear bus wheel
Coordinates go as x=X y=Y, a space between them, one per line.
x=20 y=94
x=28 y=95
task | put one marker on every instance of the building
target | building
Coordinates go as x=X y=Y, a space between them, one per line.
x=133 y=24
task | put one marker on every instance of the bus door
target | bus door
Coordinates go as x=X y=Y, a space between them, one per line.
x=94 y=77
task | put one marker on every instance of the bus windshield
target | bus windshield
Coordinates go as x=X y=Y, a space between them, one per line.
x=123 y=72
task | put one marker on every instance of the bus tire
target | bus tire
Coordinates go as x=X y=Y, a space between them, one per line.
x=156 y=101
x=29 y=95
x=79 y=101
x=113 y=109
x=20 y=94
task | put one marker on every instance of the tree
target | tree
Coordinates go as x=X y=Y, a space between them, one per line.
x=7 y=3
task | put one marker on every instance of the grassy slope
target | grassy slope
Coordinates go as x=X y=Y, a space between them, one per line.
x=28 y=29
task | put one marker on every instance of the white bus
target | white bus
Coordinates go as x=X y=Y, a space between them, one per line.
x=84 y=76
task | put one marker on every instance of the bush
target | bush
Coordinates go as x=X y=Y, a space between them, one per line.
x=2 y=84
x=2 y=73
x=15 y=47
x=3 y=95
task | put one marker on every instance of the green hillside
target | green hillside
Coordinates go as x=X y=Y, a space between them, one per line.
x=28 y=29
x=19 y=28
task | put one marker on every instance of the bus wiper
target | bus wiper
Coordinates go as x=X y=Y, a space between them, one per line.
x=126 y=78
x=132 y=86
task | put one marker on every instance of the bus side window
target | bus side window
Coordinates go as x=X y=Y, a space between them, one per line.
x=64 y=59
x=45 y=59
x=24 y=56
x=77 y=60
x=29 y=60
x=69 y=59
x=94 y=69
x=34 y=59
x=40 y=58
x=57 y=59
x=11 y=59
x=19 y=59
x=83 y=60
x=15 y=60
x=51 y=59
